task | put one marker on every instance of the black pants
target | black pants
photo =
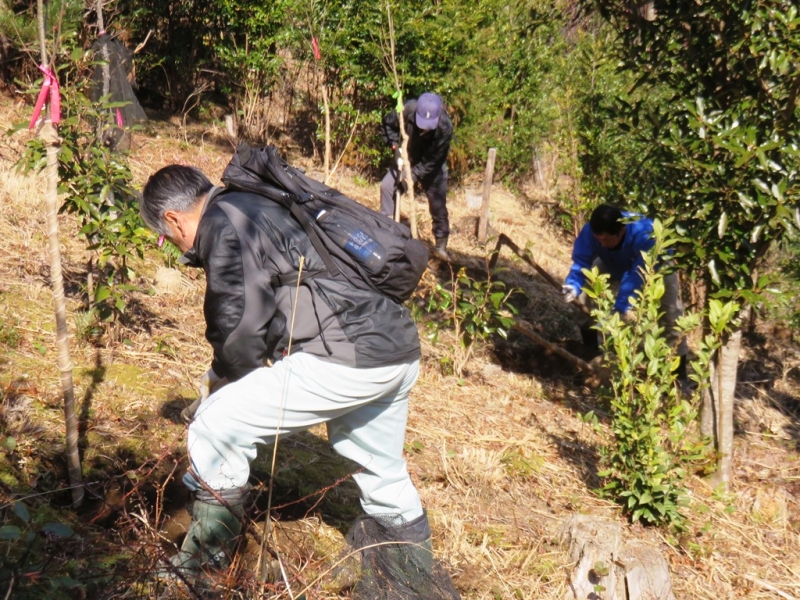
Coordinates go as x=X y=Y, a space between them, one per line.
x=435 y=189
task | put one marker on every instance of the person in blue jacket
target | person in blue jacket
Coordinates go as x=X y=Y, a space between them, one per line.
x=614 y=240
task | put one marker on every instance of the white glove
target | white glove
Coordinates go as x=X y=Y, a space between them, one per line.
x=210 y=383
x=568 y=293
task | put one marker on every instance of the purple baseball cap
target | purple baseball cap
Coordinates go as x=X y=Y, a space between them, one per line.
x=428 y=108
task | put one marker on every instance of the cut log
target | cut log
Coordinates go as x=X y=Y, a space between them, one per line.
x=646 y=572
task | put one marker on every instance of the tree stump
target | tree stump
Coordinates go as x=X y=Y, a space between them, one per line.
x=646 y=572
x=607 y=569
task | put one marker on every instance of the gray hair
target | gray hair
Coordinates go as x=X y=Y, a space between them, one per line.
x=175 y=187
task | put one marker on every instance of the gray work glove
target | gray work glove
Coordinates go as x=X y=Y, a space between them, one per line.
x=568 y=293
x=209 y=383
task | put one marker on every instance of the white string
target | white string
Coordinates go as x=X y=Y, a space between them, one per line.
x=287 y=374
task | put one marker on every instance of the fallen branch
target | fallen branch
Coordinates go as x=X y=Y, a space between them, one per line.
x=770 y=587
x=525 y=329
x=504 y=240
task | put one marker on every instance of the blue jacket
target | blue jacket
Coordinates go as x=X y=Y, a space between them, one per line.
x=623 y=264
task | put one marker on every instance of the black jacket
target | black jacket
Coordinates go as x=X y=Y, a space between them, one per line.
x=428 y=153
x=243 y=240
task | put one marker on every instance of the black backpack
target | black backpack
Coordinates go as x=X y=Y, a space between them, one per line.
x=368 y=249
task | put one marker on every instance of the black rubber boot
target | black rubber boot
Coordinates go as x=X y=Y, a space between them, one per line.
x=397 y=561
x=415 y=554
x=440 y=250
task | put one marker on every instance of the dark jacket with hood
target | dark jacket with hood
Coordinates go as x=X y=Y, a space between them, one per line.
x=428 y=153
x=242 y=241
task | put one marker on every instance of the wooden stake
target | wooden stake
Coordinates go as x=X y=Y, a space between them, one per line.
x=483 y=222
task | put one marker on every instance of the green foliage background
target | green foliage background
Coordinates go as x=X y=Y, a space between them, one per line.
x=511 y=72
x=716 y=117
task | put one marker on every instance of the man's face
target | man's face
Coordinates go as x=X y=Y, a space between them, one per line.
x=182 y=227
x=180 y=239
x=609 y=241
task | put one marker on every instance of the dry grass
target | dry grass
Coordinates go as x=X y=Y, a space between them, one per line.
x=501 y=458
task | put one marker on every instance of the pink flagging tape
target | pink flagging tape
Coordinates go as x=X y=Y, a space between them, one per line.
x=49 y=91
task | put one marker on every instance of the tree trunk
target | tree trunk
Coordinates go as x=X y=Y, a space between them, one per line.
x=717 y=408
x=406 y=170
x=101 y=125
x=49 y=135
x=327 y=108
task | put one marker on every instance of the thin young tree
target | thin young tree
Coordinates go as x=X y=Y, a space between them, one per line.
x=319 y=75
x=105 y=60
x=48 y=133
x=404 y=170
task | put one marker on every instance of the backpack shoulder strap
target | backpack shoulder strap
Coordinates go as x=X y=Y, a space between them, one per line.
x=310 y=228
x=289 y=201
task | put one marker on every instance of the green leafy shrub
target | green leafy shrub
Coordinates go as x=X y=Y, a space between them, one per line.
x=718 y=128
x=654 y=440
x=475 y=310
x=32 y=555
x=511 y=72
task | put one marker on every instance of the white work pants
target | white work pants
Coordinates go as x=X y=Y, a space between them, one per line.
x=365 y=411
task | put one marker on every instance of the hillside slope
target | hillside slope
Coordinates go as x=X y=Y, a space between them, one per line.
x=500 y=455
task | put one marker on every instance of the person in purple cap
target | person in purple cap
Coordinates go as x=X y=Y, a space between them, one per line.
x=429 y=131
